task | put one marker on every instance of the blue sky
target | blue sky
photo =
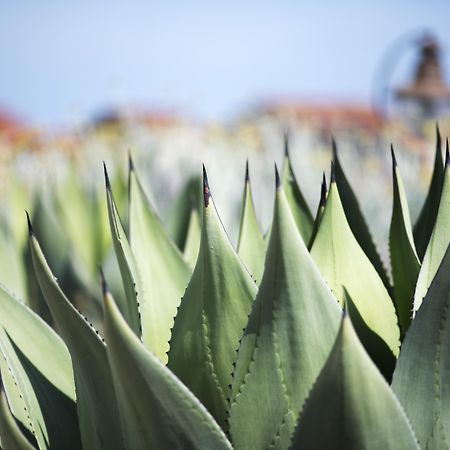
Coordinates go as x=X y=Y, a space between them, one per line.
x=61 y=61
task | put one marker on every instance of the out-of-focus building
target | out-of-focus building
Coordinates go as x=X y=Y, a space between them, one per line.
x=427 y=96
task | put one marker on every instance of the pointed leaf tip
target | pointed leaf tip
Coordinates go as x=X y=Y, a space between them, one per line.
x=394 y=159
x=247 y=176
x=323 y=191
x=277 y=178
x=333 y=148
x=130 y=163
x=447 y=156
x=286 y=142
x=105 y=288
x=107 y=182
x=30 y=227
x=206 y=190
x=332 y=174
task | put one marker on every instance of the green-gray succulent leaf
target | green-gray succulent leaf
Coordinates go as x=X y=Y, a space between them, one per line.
x=99 y=426
x=439 y=241
x=127 y=264
x=299 y=207
x=193 y=237
x=290 y=333
x=342 y=262
x=212 y=316
x=404 y=260
x=11 y=435
x=427 y=217
x=251 y=247
x=423 y=368
x=351 y=406
x=163 y=273
x=38 y=363
x=157 y=410
x=356 y=220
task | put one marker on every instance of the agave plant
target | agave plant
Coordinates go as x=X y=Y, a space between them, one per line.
x=298 y=338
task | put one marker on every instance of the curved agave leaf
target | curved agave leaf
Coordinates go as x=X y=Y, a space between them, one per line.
x=15 y=398
x=351 y=406
x=251 y=246
x=320 y=209
x=127 y=265
x=211 y=316
x=157 y=410
x=439 y=241
x=299 y=208
x=162 y=271
x=342 y=262
x=423 y=367
x=356 y=219
x=11 y=435
x=194 y=233
x=40 y=365
x=290 y=333
x=427 y=217
x=54 y=243
x=404 y=261
x=100 y=427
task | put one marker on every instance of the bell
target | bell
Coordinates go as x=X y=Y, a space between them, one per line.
x=429 y=89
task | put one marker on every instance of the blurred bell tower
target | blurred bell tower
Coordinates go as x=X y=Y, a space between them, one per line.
x=427 y=96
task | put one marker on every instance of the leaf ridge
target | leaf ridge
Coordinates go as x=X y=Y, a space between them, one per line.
x=437 y=363
x=209 y=358
x=25 y=406
x=116 y=217
x=282 y=383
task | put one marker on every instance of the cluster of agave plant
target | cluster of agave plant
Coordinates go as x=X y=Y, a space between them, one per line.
x=297 y=339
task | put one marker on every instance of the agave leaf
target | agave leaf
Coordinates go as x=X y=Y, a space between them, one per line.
x=320 y=209
x=342 y=262
x=356 y=219
x=15 y=399
x=194 y=233
x=439 y=241
x=19 y=199
x=80 y=223
x=180 y=214
x=300 y=210
x=162 y=271
x=55 y=245
x=127 y=264
x=290 y=332
x=157 y=410
x=251 y=246
x=377 y=349
x=11 y=435
x=12 y=270
x=99 y=426
x=40 y=365
x=211 y=316
x=427 y=217
x=351 y=406
x=47 y=224
x=423 y=367
x=404 y=261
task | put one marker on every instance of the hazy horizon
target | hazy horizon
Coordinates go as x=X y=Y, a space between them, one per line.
x=62 y=62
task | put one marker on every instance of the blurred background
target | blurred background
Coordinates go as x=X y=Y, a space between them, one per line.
x=180 y=83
